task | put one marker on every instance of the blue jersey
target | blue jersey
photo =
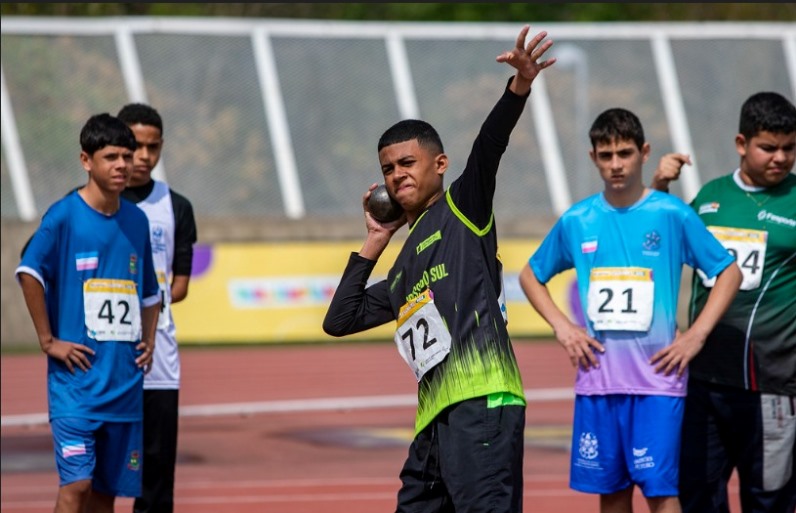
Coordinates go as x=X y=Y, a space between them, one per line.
x=97 y=273
x=628 y=263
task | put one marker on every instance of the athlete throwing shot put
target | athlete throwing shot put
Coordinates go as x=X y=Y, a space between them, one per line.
x=467 y=454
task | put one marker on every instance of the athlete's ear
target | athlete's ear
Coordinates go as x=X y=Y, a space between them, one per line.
x=85 y=161
x=740 y=145
x=645 y=151
x=441 y=163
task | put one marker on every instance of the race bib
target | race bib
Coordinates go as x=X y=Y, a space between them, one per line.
x=421 y=335
x=112 y=310
x=164 y=317
x=749 y=249
x=621 y=298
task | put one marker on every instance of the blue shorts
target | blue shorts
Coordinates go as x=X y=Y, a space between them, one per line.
x=106 y=453
x=620 y=440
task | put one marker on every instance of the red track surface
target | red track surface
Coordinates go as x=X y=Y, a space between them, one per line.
x=340 y=460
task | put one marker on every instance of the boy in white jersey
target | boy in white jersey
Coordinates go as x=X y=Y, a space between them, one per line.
x=627 y=245
x=173 y=233
x=740 y=411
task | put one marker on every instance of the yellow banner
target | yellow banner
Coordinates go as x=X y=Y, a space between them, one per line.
x=256 y=293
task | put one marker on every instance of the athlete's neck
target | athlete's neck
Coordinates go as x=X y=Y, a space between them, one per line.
x=625 y=198
x=104 y=202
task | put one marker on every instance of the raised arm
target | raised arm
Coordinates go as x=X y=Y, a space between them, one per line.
x=525 y=59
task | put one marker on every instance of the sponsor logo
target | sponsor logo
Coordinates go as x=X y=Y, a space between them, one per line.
x=87 y=261
x=773 y=218
x=641 y=460
x=434 y=237
x=588 y=246
x=282 y=292
x=133 y=264
x=708 y=208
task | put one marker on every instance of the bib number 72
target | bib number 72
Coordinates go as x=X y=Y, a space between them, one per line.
x=422 y=329
x=421 y=336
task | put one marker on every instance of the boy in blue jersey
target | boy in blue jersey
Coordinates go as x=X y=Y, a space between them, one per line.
x=90 y=286
x=627 y=245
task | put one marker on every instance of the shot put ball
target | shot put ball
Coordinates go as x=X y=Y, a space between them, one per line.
x=382 y=207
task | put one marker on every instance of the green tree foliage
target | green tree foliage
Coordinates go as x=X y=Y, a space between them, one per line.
x=464 y=12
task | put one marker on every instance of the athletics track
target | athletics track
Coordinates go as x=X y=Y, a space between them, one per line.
x=314 y=428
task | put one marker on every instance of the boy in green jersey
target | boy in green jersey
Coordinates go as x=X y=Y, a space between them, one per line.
x=740 y=410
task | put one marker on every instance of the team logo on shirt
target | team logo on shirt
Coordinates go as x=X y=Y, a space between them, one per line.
x=588 y=446
x=709 y=208
x=87 y=261
x=134 y=463
x=652 y=241
x=158 y=238
x=133 y=264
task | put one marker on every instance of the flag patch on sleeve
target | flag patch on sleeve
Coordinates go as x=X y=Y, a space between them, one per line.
x=73 y=449
x=87 y=261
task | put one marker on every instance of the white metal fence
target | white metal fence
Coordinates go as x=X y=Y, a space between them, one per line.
x=280 y=118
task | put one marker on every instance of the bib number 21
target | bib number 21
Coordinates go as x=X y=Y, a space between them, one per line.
x=621 y=298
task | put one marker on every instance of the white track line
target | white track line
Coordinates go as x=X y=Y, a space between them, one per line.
x=300 y=405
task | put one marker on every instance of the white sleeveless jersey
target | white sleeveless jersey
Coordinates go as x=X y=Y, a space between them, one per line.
x=165 y=372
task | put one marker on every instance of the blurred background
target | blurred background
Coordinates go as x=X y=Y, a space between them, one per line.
x=272 y=113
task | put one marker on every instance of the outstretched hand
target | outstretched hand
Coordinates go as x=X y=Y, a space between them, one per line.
x=525 y=59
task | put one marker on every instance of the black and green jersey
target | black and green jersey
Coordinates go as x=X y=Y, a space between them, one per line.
x=452 y=252
x=754 y=344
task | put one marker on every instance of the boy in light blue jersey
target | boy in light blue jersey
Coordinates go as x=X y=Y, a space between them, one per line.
x=628 y=245
x=90 y=286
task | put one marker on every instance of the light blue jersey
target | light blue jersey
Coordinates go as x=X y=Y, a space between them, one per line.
x=98 y=275
x=628 y=263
